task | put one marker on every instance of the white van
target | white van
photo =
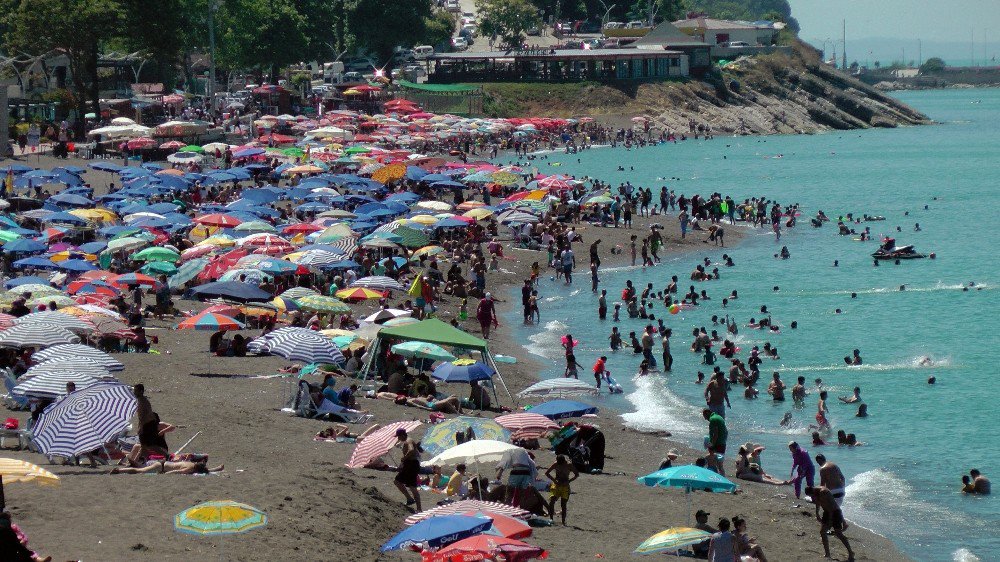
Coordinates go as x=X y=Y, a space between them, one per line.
x=421 y=52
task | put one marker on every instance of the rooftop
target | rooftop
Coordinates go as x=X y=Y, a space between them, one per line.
x=711 y=23
x=541 y=54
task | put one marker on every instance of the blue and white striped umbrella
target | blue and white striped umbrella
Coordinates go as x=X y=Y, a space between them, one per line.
x=52 y=384
x=305 y=346
x=79 y=351
x=36 y=334
x=77 y=365
x=318 y=258
x=84 y=420
x=61 y=319
x=378 y=283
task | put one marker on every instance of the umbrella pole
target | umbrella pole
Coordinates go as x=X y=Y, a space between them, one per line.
x=3 y=500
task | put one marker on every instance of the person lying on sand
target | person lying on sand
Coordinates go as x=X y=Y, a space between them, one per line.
x=169 y=467
x=341 y=433
x=449 y=405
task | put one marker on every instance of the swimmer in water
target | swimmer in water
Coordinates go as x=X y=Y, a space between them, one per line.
x=925 y=362
x=786 y=420
x=857 y=357
x=856 y=397
x=862 y=411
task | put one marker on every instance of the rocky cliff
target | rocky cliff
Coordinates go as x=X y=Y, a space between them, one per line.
x=769 y=94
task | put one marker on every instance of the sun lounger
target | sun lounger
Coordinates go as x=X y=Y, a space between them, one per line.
x=9 y=399
x=339 y=413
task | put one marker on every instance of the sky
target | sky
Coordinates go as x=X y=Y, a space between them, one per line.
x=886 y=29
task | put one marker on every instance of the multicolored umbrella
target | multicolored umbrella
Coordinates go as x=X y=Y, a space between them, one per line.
x=672 y=539
x=359 y=294
x=486 y=547
x=441 y=436
x=525 y=425
x=463 y=506
x=210 y=321
x=438 y=531
x=320 y=303
x=219 y=518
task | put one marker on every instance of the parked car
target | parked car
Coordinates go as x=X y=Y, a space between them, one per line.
x=453 y=6
x=459 y=43
x=353 y=77
x=535 y=30
x=421 y=52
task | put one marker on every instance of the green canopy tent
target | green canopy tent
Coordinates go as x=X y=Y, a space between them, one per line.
x=434 y=331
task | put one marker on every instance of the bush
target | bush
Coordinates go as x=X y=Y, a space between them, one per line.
x=932 y=66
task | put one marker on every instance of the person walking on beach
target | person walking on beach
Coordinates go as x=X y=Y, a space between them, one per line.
x=833 y=479
x=409 y=469
x=832 y=519
x=599 y=369
x=561 y=473
x=716 y=442
x=568 y=263
x=802 y=464
x=486 y=313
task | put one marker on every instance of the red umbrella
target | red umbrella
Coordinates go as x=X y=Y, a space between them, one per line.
x=218 y=219
x=504 y=525
x=300 y=228
x=140 y=143
x=485 y=547
x=172 y=145
x=367 y=88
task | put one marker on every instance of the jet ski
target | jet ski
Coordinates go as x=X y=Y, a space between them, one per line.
x=897 y=253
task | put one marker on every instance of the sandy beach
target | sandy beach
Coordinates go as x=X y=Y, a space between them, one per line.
x=320 y=510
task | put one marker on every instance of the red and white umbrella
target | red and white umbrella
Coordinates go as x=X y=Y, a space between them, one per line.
x=140 y=143
x=378 y=443
x=527 y=425
x=464 y=506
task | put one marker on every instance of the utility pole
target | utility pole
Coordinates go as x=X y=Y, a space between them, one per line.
x=210 y=86
x=972 y=45
x=843 y=37
x=920 y=54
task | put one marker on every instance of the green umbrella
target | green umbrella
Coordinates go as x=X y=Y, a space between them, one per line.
x=320 y=303
x=423 y=350
x=159 y=267
x=192 y=148
x=7 y=236
x=255 y=226
x=357 y=150
x=294 y=152
x=156 y=253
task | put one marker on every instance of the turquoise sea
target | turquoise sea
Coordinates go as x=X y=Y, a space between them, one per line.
x=919 y=439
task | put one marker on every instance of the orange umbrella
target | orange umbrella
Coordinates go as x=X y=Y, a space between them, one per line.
x=389 y=173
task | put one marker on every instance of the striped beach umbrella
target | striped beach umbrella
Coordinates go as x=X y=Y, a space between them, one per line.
x=210 y=321
x=85 y=420
x=186 y=272
x=305 y=347
x=79 y=351
x=464 y=506
x=378 y=283
x=672 y=539
x=297 y=293
x=317 y=258
x=559 y=388
x=527 y=425
x=320 y=303
x=52 y=383
x=16 y=470
x=36 y=334
x=78 y=365
x=60 y=301
x=378 y=443
x=358 y=294
x=219 y=518
x=63 y=320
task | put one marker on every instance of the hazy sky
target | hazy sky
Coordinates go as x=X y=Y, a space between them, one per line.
x=929 y=20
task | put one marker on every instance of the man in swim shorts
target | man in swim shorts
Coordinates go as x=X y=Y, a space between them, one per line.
x=832 y=519
x=831 y=477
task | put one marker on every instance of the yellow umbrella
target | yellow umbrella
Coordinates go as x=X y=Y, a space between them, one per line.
x=14 y=470
x=259 y=309
x=221 y=241
x=219 y=518
x=505 y=178
x=67 y=255
x=303 y=169
x=96 y=214
x=202 y=231
x=424 y=219
x=428 y=250
x=334 y=332
x=478 y=214
x=351 y=92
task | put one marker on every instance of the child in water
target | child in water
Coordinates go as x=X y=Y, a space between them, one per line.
x=616 y=339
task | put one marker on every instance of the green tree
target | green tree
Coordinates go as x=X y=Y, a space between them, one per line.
x=664 y=10
x=379 y=26
x=76 y=28
x=506 y=19
x=162 y=31
x=932 y=66
x=438 y=28
x=262 y=35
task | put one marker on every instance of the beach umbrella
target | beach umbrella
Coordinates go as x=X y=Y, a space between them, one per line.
x=36 y=334
x=460 y=371
x=80 y=365
x=218 y=219
x=560 y=409
x=16 y=470
x=438 y=531
x=249 y=276
x=85 y=420
x=473 y=505
x=186 y=272
x=24 y=246
x=471 y=452
x=672 y=539
x=428 y=251
x=156 y=253
x=34 y=289
x=231 y=290
x=423 y=350
x=386 y=314
x=298 y=293
x=51 y=383
x=689 y=477
x=486 y=547
x=159 y=268
x=219 y=518
x=130 y=279
x=284 y=304
x=320 y=303
x=127 y=243
x=305 y=346
x=358 y=294
x=441 y=436
x=210 y=321
x=78 y=351
x=378 y=443
x=60 y=319
x=552 y=388
x=503 y=525
x=315 y=258
x=378 y=283
x=526 y=425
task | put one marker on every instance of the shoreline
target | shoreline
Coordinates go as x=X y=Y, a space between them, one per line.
x=644 y=445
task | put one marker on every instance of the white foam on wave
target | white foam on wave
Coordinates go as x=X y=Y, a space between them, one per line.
x=547 y=342
x=964 y=555
x=918 y=362
x=659 y=409
x=939 y=286
x=553 y=298
x=879 y=499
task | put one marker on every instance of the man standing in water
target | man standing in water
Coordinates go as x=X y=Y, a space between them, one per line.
x=647 y=346
x=799 y=391
x=716 y=395
x=833 y=479
x=804 y=465
x=832 y=519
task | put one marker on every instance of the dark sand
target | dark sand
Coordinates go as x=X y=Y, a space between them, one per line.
x=320 y=510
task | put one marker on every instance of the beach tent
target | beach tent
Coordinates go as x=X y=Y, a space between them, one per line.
x=434 y=331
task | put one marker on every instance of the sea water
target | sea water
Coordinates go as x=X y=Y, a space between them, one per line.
x=919 y=439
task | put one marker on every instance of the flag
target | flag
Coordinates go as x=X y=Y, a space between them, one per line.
x=416 y=288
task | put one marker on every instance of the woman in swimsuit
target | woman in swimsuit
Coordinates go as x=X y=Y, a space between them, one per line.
x=169 y=467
